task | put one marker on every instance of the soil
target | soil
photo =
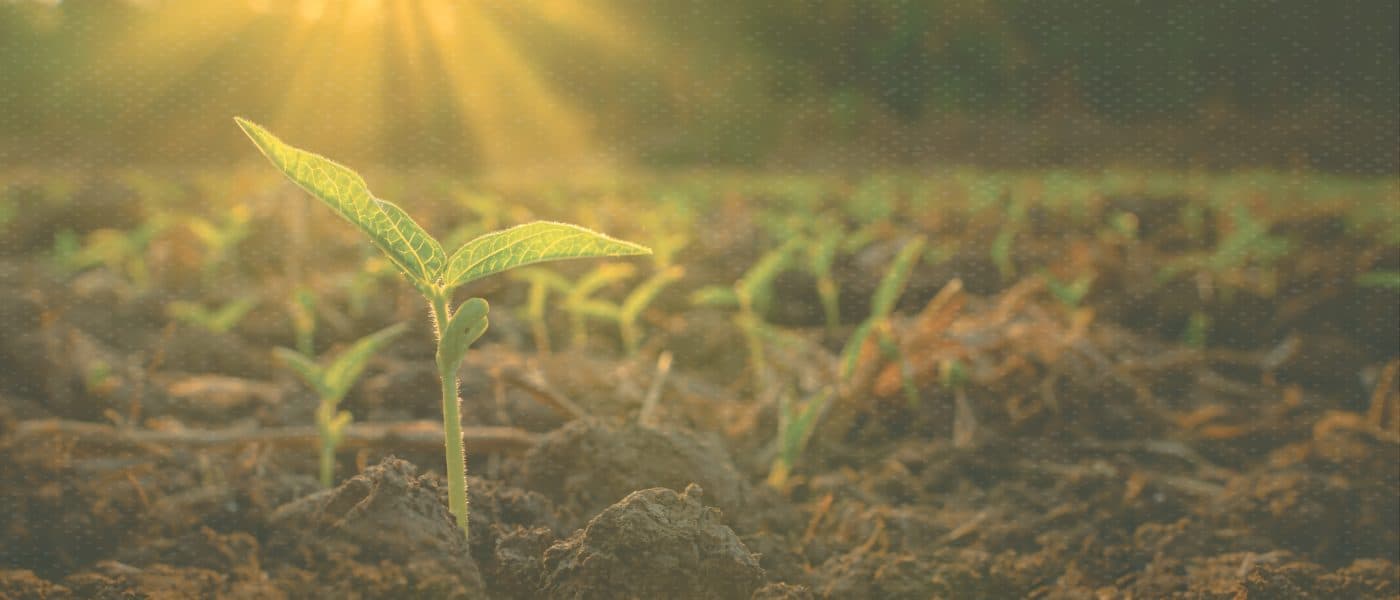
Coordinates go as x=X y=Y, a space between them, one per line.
x=1090 y=454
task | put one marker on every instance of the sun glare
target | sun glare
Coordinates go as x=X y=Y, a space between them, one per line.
x=366 y=57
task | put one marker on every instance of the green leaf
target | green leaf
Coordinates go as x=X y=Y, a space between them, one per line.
x=230 y=314
x=892 y=284
x=221 y=320
x=346 y=367
x=1380 y=279
x=407 y=245
x=715 y=295
x=306 y=368
x=598 y=309
x=527 y=244
x=641 y=297
x=850 y=354
x=465 y=327
x=600 y=277
x=798 y=425
x=1068 y=293
x=823 y=249
x=756 y=284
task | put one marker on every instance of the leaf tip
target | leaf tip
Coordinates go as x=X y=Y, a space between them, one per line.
x=247 y=126
x=255 y=132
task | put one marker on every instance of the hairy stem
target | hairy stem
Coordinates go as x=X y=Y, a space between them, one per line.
x=451 y=424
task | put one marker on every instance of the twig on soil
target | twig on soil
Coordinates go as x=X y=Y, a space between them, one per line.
x=647 y=416
x=874 y=538
x=419 y=435
x=534 y=383
x=823 y=507
x=965 y=529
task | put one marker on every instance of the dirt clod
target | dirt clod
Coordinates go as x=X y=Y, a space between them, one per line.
x=655 y=543
x=386 y=516
x=590 y=464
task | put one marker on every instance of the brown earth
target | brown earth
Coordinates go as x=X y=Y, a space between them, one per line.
x=1089 y=454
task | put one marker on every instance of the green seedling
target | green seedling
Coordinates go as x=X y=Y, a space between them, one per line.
x=626 y=314
x=1069 y=293
x=1004 y=244
x=878 y=324
x=667 y=246
x=751 y=294
x=795 y=426
x=488 y=210
x=99 y=378
x=1245 y=258
x=220 y=237
x=302 y=310
x=120 y=252
x=821 y=255
x=361 y=286
x=219 y=320
x=541 y=283
x=331 y=380
x=639 y=300
x=578 y=299
x=421 y=259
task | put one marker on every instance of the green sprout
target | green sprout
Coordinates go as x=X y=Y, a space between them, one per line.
x=821 y=255
x=626 y=314
x=1004 y=244
x=1246 y=258
x=120 y=252
x=219 y=320
x=435 y=274
x=1197 y=331
x=541 y=282
x=1070 y=293
x=751 y=294
x=578 y=298
x=331 y=382
x=795 y=426
x=302 y=310
x=220 y=238
x=878 y=324
x=361 y=286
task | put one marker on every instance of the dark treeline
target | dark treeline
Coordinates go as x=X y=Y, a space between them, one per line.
x=690 y=80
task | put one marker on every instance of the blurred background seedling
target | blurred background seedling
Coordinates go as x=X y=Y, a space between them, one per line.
x=331 y=378
x=221 y=319
x=625 y=315
x=579 y=302
x=796 y=423
x=301 y=310
x=540 y=284
x=220 y=237
x=122 y=252
x=859 y=347
x=1070 y=293
x=751 y=296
